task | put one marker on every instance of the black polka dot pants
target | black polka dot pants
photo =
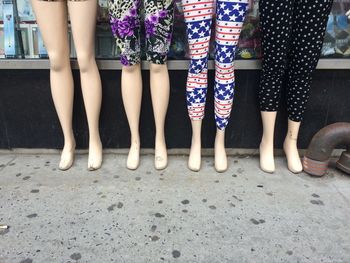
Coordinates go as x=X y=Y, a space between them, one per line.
x=292 y=37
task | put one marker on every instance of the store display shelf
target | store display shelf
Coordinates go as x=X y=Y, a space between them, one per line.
x=172 y=64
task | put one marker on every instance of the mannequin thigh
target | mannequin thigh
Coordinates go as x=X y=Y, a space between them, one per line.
x=83 y=22
x=52 y=20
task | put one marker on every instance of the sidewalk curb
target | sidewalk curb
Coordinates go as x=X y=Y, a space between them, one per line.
x=238 y=152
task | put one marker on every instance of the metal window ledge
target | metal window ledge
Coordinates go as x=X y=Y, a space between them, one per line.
x=172 y=64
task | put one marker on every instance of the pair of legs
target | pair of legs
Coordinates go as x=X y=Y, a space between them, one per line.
x=52 y=18
x=132 y=95
x=292 y=38
x=125 y=18
x=230 y=15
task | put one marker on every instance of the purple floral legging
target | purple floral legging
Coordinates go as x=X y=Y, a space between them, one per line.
x=125 y=20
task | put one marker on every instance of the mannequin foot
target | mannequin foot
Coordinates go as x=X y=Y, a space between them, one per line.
x=133 y=161
x=267 y=161
x=67 y=157
x=220 y=152
x=293 y=158
x=161 y=155
x=95 y=156
x=194 y=160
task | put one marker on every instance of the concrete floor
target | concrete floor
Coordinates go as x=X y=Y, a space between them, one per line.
x=116 y=215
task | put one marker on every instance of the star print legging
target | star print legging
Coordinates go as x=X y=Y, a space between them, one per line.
x=292 y=37
x=198 y=14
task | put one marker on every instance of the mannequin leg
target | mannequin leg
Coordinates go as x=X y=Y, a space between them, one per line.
x=305 y=51
x=267 y=162
x=228 y=29
x=83 y=22
x=160 y=89
x=52 y=20
x=198 y=17
x=127 y=39
x=132 y=96
x=159 y=20
x=194 y=160
x=291 y=149
x=273 y=70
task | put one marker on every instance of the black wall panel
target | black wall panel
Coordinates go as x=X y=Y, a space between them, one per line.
x=28 y=118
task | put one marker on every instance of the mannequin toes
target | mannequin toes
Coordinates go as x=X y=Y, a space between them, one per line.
x=220 y=158
x=66 y=164
x=160 y=162
x=221 y=164
x=95 y=156
x=194 y=160
x=293 y=158
x=267 y=162
x=295 y=168
x=132 y=163
x=161 y=155
x=194 y=164
x=94 y=164
x=267 y=167
x=133 y=160
x=67 y=159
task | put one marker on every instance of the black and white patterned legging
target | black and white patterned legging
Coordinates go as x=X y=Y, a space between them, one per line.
x=292 y=37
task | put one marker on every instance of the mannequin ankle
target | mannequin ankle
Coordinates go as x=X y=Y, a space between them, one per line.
x=266 y=143
x=160 y=136
x=135 y=140
x=196 y=140
x=290 y=138
x=69 y=146
x=69 y=140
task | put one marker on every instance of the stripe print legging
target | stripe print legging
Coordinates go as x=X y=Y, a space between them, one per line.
x=230 y=15
x=292 y=37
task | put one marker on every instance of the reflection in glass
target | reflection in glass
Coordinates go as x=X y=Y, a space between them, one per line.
x=336 y=44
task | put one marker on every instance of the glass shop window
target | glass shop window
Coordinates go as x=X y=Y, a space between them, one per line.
x=25 y=39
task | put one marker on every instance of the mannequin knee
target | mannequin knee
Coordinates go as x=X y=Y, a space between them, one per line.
x=131 y=69
x=58 y=62
x=196 y=68
x=157 y=68
x=300 y=74
x=274 y=73
x=85 y=61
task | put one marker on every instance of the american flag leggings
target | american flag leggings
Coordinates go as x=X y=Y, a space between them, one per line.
x=230 y=15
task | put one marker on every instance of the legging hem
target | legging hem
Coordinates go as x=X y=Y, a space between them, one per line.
x=267 y=110
x=295 y=119
x=196 y=119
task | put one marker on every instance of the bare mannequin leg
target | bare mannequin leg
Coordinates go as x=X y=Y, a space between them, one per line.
x=291 y=149
x=160 y=89
x=52 y=20
x=267 y=162
x=83 y=21
x=132 y=95
x=220 y=152
x=194 y=160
